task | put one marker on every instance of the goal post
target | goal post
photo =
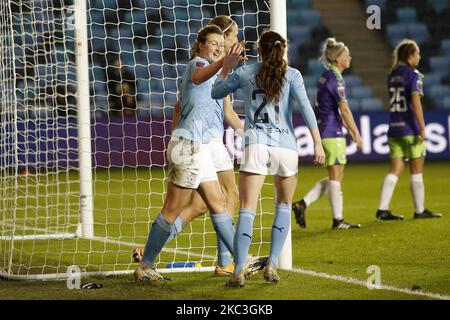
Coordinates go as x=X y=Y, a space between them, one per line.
x=278 y=23
x=81 y=181
x=84 y=120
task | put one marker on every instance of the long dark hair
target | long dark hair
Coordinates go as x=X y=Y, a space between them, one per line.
x=273 y=66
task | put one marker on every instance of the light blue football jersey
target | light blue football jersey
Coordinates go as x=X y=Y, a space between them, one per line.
x=268 y=123
x=201 y=117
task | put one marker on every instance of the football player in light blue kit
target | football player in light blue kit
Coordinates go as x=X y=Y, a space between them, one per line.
x=223 y=163
x=190 y=164
x=406 y=135
x=270 y=144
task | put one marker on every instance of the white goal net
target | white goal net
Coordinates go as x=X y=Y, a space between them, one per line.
x=137 y=50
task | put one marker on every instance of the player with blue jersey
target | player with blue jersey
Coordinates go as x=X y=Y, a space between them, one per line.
x=190 y=163
x=406 y=135
x=222 y=161
x=269 y=142
x=332 y=113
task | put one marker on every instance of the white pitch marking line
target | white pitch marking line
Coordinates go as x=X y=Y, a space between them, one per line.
x=297 y=270
x=364 y=284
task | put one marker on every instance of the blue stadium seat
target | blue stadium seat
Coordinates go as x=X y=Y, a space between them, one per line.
x=143 y=86
x=156 y=71
x=169 y=71
x=195 y=13
x=445 y=47
x=170 y=85
x=299 y=4
x=311 y=93
x=371 y=104
x=440 y=5
x=439 y=92
x=445 y=103
x=142 y=71
x=250 y=19
x=440 y=65
x=299 y=34
x=360 y=92
x=310 y=81
x=156 y=101
x=292 y=17
x=430 y=80
x=406 y=15
x=315 y=67
x=95 y=17
x=97 y=74
x=182 y=41
x=156 y=85
x=353 y=81
x=195 y=25
x=354 y=104
x=309 y=17
x=395 y=33
x=379 y=3
x=293 y=51
x=418 y=32
x=181 y=14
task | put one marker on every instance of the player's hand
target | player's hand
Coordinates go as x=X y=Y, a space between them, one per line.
x=422 y=135
x=233 y=56
x=319 y=154
x=244 y=57
x=359 y=142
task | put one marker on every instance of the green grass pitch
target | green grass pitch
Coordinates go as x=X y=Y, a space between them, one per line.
x=412 y=255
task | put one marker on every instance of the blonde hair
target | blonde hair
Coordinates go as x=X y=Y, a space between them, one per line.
x=331 y=50
x=403 y=50
x=225 y=23
x=270 y=76
x=203 y=36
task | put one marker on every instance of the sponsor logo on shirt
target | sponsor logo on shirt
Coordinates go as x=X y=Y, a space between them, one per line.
x=341 y=92
x=199 y=64
x=420 y=85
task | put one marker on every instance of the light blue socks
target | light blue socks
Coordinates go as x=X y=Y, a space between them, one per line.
x=243 y=238
x=280 y=228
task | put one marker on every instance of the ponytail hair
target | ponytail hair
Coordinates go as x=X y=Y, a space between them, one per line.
x=225 y=23
x=270 y=76
x=331 y=50
x=403 y=51
x=202 y=36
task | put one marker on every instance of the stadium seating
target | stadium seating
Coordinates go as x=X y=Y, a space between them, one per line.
x=440 y=65
x=379 y=3
x=445 y=47
x=299 y=4
x=371 y=104
x=406 y=15
x=440 y=6
x=419 y=20
x=446 y=103
x=360 y=92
